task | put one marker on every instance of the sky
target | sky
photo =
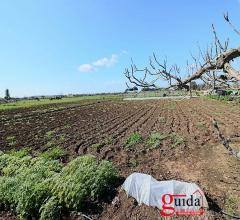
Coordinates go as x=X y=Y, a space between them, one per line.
x=83 y=46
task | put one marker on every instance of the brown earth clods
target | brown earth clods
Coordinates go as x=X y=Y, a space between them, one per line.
x=194 y=155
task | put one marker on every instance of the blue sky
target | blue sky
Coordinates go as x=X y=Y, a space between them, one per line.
x=76 y=46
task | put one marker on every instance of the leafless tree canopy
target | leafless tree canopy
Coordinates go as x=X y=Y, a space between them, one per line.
x=205 y=66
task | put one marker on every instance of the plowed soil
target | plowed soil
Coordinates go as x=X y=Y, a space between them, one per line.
x=195 y=155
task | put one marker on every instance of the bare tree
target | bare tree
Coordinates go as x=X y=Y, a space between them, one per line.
x=212 y=65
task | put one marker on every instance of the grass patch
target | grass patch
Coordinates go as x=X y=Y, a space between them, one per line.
x=32 y=103
x=38 y=188
x=11 y=140
x=132 y=140
x=155 y=139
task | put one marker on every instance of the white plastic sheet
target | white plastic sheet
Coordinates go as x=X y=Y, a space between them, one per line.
x=145 y=189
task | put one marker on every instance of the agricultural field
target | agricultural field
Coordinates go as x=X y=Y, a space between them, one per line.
x=163 y=138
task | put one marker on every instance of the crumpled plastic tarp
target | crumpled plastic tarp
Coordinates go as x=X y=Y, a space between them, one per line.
x=145 y=189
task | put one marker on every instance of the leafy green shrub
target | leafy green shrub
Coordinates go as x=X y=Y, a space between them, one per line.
x=24 y=182
x=132 y=140
x=154 y=140
x=83 y=178
x=39 y=187
x=54 y=153
x=8 y=187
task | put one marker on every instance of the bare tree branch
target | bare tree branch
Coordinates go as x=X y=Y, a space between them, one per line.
x=216 y=57
x=226 y=17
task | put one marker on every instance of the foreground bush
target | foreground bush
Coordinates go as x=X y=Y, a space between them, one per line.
x=41 y=187
x=83 y=178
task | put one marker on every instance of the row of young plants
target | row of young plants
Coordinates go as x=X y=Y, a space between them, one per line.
x=154 y=140
x=41 y=187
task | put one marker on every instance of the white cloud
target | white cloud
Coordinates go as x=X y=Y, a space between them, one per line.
x=85 y=68
x=123 y=52
x=106 y=62
x=101 y=63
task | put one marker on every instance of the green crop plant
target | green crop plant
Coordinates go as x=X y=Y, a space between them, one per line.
x=133 y=163
x=11 y=140
x=50 y=134
x=162 y=119
x=66 y=126
x=132 y=140
x=176 y=139
x=155 y=139
x=97 y=147
x=108 y=140
x=62 y=137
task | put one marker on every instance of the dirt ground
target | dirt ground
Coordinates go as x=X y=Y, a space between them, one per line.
x=198 y=157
